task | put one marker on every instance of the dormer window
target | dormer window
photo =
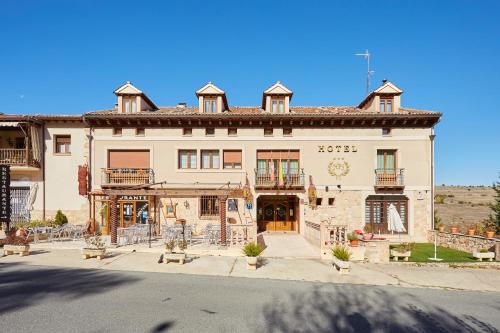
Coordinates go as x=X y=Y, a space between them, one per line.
x=129 y=104
x=386 y=104
x=278 y=104
x=210 y=104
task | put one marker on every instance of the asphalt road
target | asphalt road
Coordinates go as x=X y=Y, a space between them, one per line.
x=52 y=299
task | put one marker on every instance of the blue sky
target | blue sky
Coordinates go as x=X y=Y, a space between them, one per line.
x=68 y=56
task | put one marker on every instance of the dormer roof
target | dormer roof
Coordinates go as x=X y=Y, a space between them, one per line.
x=212 y=90
x=276 y=89
x=129 y=89
x=387 y=87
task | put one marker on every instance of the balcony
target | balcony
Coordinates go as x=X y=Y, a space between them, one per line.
x=17 y=157
x=126 y=177
x=389 y=179
x=293 y=178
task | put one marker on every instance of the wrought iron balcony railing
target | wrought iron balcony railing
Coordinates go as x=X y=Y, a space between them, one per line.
x=389 y=177
x=126 y=176
x=273 y=179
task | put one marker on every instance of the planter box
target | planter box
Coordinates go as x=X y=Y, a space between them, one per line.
x=23 y=250
x=168 y=256
x=252 y=263
x=342 y=266
x=396 y=255
x=93 y=253
x=484 y=255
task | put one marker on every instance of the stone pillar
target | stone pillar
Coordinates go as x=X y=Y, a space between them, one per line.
x=114 y=217
x=222 y=212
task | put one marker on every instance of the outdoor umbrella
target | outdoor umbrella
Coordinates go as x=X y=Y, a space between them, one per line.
x=395 y=223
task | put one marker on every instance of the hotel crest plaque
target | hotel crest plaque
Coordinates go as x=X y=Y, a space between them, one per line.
x=338 y=168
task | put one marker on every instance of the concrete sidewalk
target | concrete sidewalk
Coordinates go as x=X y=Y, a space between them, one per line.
x=436 y=276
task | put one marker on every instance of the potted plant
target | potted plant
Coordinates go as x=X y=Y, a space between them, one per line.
x=252 y=252
x=440 y=227
x=402 y=250
x=454 y=229
x=341 y=256
x=175 y=256
x=484 y=254
x=471 y=230
x=95 y=247
x=490 y=227
x=16 y=244
x=353 y=239
x=368 y=232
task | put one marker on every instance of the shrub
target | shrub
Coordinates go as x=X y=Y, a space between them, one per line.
x=12 y=239
x=170 y=245
x=483 y=250
x=404 y=247
x=352 y=236
x=182 y=245
x=95 y=242
x=341 y=252
x=252 y=249
x=439 y=199
x=60 y=218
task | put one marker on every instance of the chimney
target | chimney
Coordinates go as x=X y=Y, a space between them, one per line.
x=181 y=105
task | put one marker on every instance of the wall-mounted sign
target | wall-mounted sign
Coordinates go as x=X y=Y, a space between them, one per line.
x=338 y=168
x=132 y=198
x=337 y=149
x=5 y=194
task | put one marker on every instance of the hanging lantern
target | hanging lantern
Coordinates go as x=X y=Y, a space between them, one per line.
x=312 y=193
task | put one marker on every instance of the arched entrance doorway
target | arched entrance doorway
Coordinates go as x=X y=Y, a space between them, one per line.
x=277 y=213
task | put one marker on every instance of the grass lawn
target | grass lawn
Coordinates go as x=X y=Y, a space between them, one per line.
x=423 y=251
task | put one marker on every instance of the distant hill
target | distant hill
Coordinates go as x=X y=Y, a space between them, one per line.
x=468 y=205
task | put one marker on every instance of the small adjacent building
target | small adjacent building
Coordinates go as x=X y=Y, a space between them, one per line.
x=274 y=166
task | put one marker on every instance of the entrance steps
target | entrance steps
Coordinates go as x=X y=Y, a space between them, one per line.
x=287 y=245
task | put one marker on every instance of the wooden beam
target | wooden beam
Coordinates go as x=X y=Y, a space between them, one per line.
x=176 y=193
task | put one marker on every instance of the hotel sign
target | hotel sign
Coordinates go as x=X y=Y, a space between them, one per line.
x=5 y=194
x=337 y=149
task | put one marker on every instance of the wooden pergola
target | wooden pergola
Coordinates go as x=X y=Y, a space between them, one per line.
x=158 y=193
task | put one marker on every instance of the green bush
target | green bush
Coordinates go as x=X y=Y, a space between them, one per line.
x=60 y=218
x=352 y=236
x=341 y=252
x=252 y=250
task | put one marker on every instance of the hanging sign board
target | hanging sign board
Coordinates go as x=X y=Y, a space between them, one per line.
x=5 y=194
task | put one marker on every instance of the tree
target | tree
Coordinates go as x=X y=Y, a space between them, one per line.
x=495 y=207
x=60 y=218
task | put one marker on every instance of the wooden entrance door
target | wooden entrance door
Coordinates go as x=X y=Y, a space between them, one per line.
x=277 y=215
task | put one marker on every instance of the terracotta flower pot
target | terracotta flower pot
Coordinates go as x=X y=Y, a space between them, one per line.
x=441 y=228
x=471 y=232
x=490 y=234
x=354 y=242
x=454 y=230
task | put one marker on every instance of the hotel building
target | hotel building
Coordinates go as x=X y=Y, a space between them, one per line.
x=274 y=166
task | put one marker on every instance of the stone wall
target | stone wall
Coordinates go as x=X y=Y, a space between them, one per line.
x=464 y=242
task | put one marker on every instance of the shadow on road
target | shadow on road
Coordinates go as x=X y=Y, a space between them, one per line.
x=343 y=309
x=22 y=286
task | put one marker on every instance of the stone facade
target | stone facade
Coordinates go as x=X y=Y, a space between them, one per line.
x=464 y=242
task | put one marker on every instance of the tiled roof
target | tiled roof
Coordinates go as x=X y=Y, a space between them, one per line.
x=255 y=110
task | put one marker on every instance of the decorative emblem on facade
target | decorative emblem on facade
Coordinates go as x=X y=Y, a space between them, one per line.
x=338 y=168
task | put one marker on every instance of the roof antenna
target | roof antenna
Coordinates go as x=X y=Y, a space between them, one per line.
x=369 y=72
